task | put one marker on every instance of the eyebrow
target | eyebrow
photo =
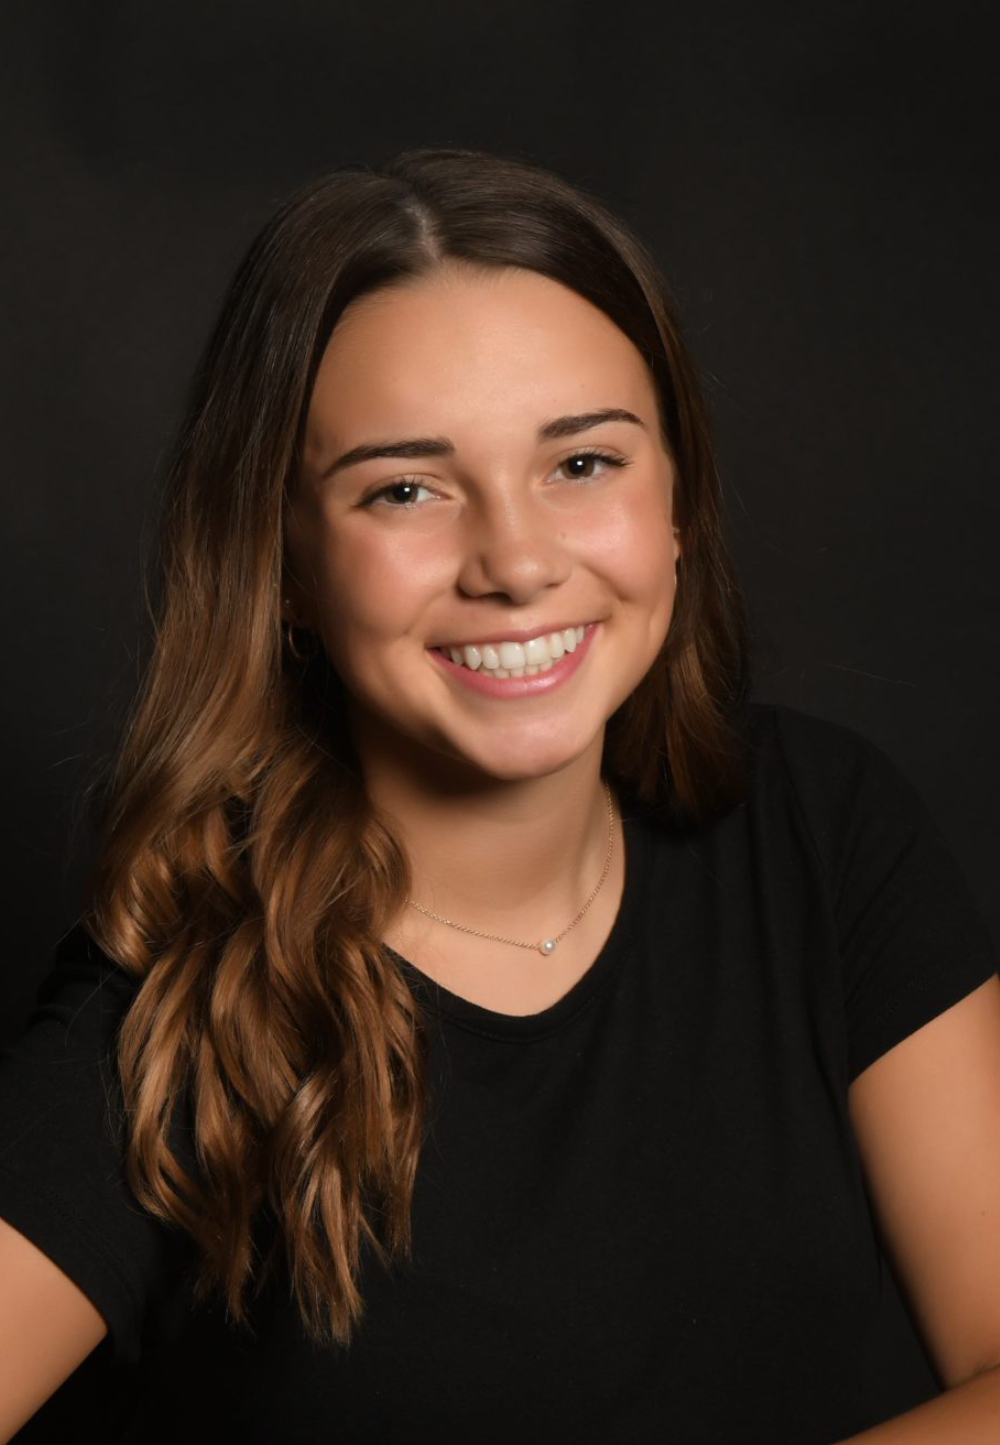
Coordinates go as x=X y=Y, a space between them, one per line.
x=560 y=426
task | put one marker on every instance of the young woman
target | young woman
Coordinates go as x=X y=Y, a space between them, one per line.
x=488 y=1024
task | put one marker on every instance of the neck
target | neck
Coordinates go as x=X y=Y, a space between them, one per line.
x=516 y=858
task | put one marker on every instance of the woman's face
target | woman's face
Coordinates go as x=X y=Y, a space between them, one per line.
x=489 y=522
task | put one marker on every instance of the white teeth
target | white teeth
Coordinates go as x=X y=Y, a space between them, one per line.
x=518 y=659
x=511 y=654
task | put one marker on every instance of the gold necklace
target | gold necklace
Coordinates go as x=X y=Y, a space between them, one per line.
x=545 y=945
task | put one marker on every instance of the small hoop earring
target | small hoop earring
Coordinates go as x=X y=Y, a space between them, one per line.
x=311 y=644
x=289 y=631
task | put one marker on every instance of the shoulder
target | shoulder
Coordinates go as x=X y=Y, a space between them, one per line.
x=84 y=990
x=866 y=823
x=66 y=1049
x=842 y=795
x=60 y=1073
x=799 y=770
x=801 y=739
x=63 y=1178
x=829 y=768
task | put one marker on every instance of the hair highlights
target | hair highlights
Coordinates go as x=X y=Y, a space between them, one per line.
x=245 y=878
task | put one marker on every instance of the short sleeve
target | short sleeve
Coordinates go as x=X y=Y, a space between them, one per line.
x=62 y=1179
x=912 y=941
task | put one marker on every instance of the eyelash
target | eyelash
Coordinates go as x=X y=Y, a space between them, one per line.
x=608 y=457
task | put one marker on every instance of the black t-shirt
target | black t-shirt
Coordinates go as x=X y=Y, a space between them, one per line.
x=639 y=1214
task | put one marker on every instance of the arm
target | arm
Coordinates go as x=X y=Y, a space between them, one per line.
x=926 y=1116
x=47 y=1327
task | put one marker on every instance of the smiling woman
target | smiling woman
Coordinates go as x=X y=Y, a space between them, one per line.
x=499 y=1012
x=495 y=547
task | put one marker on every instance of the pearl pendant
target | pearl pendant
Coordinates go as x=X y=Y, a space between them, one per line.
x=546 y=945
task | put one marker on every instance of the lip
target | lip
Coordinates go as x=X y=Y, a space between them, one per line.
x=517 y=687
x=524 y=635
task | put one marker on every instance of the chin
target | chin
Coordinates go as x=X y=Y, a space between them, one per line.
x=519 y=763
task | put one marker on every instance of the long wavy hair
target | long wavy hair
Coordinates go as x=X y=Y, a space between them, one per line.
x=244 y=877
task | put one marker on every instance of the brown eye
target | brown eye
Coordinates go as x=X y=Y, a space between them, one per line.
x=399 y=494
x=581 y=464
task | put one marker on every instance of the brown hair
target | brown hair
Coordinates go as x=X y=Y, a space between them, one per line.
x=244 y=877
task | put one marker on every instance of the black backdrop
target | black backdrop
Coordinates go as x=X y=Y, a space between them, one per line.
x=815 y=180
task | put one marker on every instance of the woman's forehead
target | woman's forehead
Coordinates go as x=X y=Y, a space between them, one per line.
x=494 y=350
x=471 y=308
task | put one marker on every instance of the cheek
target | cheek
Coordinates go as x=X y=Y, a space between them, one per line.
x=370 y=587
x=636 y=552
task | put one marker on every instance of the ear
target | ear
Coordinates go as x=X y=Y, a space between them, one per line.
x=678 y=547
x=294 y=605
x=298 y=603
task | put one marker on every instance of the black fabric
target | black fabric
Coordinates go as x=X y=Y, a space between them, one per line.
x=639 y=1214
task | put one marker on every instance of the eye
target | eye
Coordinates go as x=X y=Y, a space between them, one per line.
x=588 y=456
x=399 y=495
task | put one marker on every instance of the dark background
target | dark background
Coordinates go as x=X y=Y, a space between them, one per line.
x=817 y=183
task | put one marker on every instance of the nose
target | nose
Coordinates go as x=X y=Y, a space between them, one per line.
x=512 y=547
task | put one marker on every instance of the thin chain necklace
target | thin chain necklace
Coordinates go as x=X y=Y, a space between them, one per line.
x=545 y=945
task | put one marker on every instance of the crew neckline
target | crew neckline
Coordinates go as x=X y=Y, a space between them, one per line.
x=478 y=1019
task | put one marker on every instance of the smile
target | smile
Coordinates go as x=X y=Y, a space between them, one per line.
x=516 y=659
x=524 y=678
